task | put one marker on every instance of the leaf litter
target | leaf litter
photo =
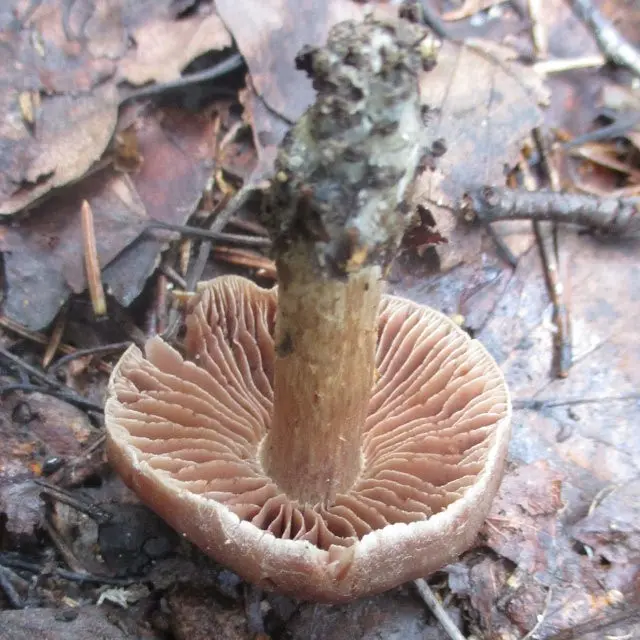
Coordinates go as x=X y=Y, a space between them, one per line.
x=558 y=556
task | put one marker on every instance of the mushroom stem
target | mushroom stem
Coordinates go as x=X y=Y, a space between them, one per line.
x=326 y=333
x=334 y=212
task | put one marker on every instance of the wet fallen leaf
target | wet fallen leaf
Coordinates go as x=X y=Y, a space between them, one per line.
x=56 y=153
x=165 y=46
x=469 y=8
x=482 y=106
x=198 y=615
x=44 y=261
x=61 y=66
x=395 y=615
x=22 y=508
x=178 y=150
x=611 y=531
x=81 y=623
x=523 y=525
x=271 y=33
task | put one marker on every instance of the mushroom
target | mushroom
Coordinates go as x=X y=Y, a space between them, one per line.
x=322 y=439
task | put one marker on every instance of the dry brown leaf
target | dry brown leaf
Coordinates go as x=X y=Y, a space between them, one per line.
x=165 y=47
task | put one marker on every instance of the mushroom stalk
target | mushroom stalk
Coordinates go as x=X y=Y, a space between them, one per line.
x=334 y=211
x=326 y=336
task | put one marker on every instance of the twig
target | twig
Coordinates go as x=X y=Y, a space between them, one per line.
x=222 y=68
x=539 y=405
x=194 y=275
x=538 y=31
x=91 y=351
x=614 y=130
x=76 y=470
x=437 y=609
x=63 y=548
x=172 y=275
x=609 y=40
x=610 y=215
x=541 y=617
x=16 y=563
x=560 y=65
x=92 y=265
x=432 y=19
x=547 y=236
x=96 y=513
x=599 y=624
x=238 y=200
x=502 y=248
x=41 y=338
x=56 y=338
x=265 y=267
x=249 y=226
x=9 y=590
x=31 y=370
x=70 y=397
x=196 y=232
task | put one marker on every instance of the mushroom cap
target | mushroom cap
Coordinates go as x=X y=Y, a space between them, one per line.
x=185 y=433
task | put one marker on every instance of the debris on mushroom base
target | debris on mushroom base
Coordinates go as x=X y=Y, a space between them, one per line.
x=324 y=439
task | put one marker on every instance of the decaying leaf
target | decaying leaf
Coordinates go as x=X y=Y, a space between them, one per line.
x=44 y=260
x=482 y=106
x=58 y=153
x=611 y=530
x=164 y=47
x=21 y=506
x=271 y=33
x=43 y=256
x=469 y=8
x=58 y=73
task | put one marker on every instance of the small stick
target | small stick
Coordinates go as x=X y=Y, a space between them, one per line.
x=247 y=259
x=77 y=469
x=538 y=31
x=248 y=225
x=547 y=236
x=610 y=215
x=92 y=265
x=159 y=310
x=539 y=405
x=540 y=617
x=41 y=338
x=437 y=609
x=91 y=351
x=502 y=248
x=614 y=130
x=17 y=563
x=609 y=40
x=6 y=576
x=63 y=548
x=30 y=370
x=71 y=398
x=96 y=513
x=196 y=232
x=172 y=275
x=432 y=19
x=56 y=338
x=560 y=65
x=222 y=68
